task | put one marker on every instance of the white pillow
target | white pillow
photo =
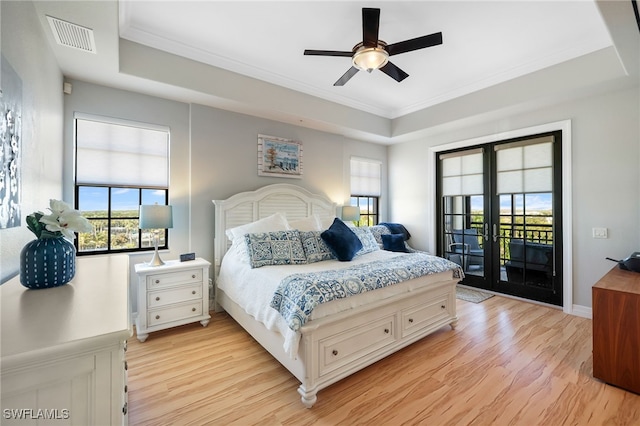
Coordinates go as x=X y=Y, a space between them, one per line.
x=311 y=223
x=326 y=222
x=275 y=222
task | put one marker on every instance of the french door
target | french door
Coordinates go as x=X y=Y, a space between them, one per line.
x=500 y=215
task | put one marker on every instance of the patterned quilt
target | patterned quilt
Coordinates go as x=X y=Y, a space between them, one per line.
x=298 y=294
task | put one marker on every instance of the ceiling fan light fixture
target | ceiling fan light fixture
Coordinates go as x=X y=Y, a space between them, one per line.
x=370 y=58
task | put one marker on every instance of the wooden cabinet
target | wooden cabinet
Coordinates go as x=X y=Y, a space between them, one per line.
x=616 y=329
x=63 y=349
x=175 y=293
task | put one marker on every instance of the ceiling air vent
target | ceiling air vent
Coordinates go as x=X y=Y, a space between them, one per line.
x=72 y=35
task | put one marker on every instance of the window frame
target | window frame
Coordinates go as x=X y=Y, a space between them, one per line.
x=366 y=196
x=110 y=187
x=367 y=217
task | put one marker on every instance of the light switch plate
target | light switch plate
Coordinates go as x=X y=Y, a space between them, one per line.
x=600 y=233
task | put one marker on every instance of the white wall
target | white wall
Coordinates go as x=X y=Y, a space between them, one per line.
x=213 y=154
x=224 y=162
x=605 y=175
x=27 y=50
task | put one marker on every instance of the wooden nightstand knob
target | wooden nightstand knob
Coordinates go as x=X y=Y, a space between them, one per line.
x=157 y=298
x=157 y=281
x=193 y=292
x=193 y=276
x=193 y=309
x=157 y=316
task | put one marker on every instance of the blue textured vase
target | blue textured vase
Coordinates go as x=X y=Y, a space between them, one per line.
x=47 y=263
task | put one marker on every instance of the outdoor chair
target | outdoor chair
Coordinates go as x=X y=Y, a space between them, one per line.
x=466 y=244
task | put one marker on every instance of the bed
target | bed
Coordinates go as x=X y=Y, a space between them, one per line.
x=341 y=336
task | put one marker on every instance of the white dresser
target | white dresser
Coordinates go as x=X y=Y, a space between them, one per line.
x=173 y=294
x=63 y=349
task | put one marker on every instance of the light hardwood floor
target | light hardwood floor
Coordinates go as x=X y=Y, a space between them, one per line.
x=507 y=363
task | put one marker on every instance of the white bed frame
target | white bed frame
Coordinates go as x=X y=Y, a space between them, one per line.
x=336 y=346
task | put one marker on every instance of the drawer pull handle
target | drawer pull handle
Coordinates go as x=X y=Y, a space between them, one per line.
x=443 y=307
x=157 y=298
x=126 y=389
x=124 y=409
x=193 y=292
x=386 y=331
x=157 y=281
x=157 y=316
x=193 y=276
x=193 y=309
x=334 y=352
x=126 y=366
x=410 y=320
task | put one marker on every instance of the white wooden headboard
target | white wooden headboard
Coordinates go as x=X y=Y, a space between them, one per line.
x=246 y=207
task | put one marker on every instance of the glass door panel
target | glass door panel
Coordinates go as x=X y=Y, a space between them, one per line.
x=503 y=231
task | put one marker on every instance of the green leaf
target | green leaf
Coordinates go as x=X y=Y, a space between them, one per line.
x=34 y=225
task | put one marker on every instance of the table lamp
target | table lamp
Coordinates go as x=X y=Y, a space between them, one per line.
x=350 y=213
x=156 y=217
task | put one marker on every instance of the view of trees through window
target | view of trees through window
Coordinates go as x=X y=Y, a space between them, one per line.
x=522 y=216
x=114 y=214
x=368 y=209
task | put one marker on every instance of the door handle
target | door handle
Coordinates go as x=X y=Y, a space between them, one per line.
x=495 y=233
x=486 y=231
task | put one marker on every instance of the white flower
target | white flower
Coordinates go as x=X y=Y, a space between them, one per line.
x=63 y=220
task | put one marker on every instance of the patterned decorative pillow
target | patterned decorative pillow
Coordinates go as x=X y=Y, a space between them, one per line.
x=314 y=247
x=367 y=239
x=275 y=248
x=378 y=231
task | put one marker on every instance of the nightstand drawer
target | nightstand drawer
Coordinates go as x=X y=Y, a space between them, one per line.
x=174 y=313
x=174 y=295
x=173 y=278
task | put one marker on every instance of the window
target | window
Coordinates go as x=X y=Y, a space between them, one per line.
x=119 y=165
x=365 y=189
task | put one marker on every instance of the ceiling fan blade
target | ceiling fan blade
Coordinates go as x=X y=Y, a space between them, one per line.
x=415 y=44
x=394 y=72
x=370 y=26
x=346 y=76
x=329 y=53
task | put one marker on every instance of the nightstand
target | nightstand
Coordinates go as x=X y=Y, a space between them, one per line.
x=173 y=294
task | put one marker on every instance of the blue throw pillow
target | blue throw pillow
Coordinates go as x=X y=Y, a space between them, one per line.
x=394 y=242
x=397 y=228
x=341 y=240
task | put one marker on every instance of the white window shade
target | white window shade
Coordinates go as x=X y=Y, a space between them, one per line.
x=366 y=176
x=116 y=154
x=525 y=166
x=462 y=173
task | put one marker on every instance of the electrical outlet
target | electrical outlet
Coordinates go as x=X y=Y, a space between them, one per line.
x=600 y=233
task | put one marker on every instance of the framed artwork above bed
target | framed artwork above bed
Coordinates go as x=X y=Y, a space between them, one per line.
x=279 y=157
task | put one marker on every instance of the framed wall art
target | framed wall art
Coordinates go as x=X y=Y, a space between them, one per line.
x=10 y=146
x=279 y=157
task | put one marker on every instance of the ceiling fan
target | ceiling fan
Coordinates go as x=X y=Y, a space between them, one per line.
x=373 y=53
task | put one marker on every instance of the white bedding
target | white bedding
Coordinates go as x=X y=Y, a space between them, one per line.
x=253 y=289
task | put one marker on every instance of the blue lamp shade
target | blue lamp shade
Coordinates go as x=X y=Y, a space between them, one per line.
x=156 y=217
x=350 y=213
